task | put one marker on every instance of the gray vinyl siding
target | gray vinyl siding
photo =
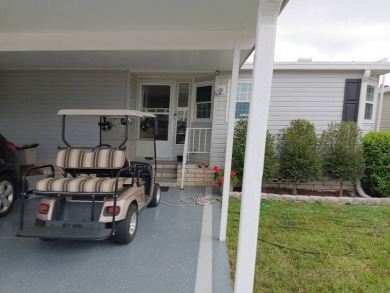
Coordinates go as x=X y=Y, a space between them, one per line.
x=316 y=96
x=30 y=100
x=385 y=118
x=220 y=126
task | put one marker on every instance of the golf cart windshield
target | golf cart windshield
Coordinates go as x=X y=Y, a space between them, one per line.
x=108 y=118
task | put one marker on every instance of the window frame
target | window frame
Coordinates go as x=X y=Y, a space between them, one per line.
x=367 y=102
x=244 y=80
x=195 y=103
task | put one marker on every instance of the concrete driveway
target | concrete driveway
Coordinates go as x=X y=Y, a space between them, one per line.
x=176 y=250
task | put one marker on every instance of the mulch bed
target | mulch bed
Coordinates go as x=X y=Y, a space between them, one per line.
x=276 y=190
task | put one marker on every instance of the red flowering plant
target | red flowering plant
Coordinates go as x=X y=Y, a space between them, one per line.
x=219 y=177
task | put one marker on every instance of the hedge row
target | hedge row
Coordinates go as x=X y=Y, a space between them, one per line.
x=339 y=154
x=376 y=178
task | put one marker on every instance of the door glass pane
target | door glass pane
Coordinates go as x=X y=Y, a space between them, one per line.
x=156 y=99
x=182 y=112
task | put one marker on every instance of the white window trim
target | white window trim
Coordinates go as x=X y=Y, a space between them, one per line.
x=244 y=80
x=194 y=103
x=373 y=102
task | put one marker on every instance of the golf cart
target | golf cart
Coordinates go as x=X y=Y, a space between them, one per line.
x=101 y=193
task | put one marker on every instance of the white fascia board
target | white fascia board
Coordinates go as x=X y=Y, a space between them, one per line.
x=377 y=67
x=134 y=40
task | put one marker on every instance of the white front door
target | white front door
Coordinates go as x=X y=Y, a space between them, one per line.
x=156 y=99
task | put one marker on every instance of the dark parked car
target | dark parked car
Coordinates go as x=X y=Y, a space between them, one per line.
x=9 y=176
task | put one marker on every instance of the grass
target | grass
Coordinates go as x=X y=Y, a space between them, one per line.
x=305 y=247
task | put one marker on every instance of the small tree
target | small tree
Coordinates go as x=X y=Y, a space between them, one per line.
x=342 y=152
x=239 y=143
x=299 y=159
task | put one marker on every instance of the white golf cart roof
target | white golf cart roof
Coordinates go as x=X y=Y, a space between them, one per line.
x=104 y=112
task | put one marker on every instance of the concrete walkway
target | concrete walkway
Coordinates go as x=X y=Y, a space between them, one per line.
x=176 y=249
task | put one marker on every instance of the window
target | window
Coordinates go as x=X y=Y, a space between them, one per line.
x=369 y=103
x=203 y=102
x=244 y=94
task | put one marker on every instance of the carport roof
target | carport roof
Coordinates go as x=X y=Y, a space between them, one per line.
x=170 y=34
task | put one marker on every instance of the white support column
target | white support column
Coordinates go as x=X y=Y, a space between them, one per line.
x=380 y=105
x=362 y=99
x=268 y=13
x=229 y=141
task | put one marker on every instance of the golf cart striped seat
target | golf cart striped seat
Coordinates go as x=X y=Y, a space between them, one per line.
x=103 y=164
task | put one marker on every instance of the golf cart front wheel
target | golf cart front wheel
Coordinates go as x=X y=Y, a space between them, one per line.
x=127 y=228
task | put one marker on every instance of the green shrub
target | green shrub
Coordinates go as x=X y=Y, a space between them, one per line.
x=342 y=152
x=376 y=180
x=299 y=159
x=239 y=143
x=269 y=158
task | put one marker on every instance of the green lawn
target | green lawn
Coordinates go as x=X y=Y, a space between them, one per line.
x=313 y=247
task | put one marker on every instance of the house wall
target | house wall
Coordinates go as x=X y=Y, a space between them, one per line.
x=36 y=96
x=317 y=96
x=385 y=117
x=220 y=125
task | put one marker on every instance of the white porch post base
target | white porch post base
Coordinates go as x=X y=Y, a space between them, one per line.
x=268 y=13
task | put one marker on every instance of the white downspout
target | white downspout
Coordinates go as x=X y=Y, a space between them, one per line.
x=380 y=104
x=267 y=17
x=362 y=99
x=229 y=141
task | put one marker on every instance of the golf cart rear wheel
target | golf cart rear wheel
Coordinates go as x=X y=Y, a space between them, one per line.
x=7 y=194
x=156 y=196
x=127 y=228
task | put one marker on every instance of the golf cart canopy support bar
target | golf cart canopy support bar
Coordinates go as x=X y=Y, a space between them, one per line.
x=106 y=113
x=112 y=113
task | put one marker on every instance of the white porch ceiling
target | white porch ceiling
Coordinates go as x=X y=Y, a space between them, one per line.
x=169 y=34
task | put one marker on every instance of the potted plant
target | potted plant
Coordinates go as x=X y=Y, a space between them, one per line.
x=219 y=177
x=27 y=154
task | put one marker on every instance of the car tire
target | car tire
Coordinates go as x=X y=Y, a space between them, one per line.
x=7 y=194
x=156 y=196
x=127 y=228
